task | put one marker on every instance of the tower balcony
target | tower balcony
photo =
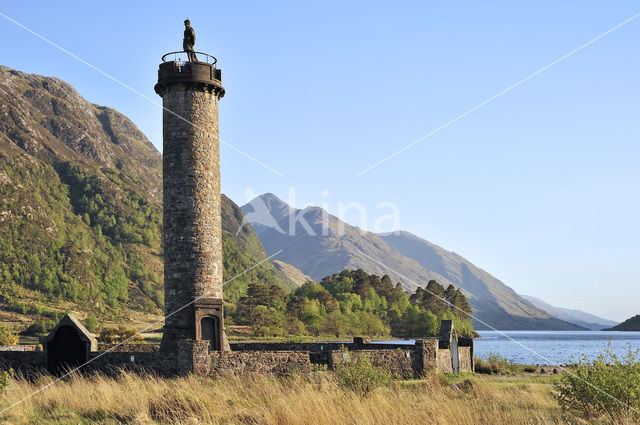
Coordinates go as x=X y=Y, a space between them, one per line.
x=177 y=69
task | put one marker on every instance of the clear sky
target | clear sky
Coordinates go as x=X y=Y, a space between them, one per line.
x=540 y=187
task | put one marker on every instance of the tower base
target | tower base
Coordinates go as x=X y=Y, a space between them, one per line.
x=207 y=327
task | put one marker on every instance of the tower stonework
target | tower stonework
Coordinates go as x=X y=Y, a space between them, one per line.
x=192 y=232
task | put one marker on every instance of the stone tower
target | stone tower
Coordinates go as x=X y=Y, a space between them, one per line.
x=192 y=232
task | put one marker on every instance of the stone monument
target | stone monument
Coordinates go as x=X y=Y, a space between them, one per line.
x=192 y=233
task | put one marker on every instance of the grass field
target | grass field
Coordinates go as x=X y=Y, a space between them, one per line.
x=320 y=399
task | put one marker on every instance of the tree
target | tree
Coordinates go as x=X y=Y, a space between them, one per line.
x=7 y=336
x=266 y=321
x=335 y=323
x=295 y=306
x=385 y=288
x=463 y=309
x=609 y=385
x=372 y=325
x=327 y=300
x=449 y=295
x=337 y=284
x=313 y=316
x=310 y=290
x=433 y=298
x=382 y=310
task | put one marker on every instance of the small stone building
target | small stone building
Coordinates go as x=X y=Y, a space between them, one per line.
x=68 y=345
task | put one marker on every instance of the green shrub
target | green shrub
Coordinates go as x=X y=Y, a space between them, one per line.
x=118 y=335
x=5 y=375
x=608 y=385
x=360 y=376
x=495 y=364
x=40 y=327
x=7 y=336
x=91 y=323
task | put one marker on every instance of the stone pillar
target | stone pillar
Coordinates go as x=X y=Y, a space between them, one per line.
x=425 y=356
x=192 y=232
x=193 y=357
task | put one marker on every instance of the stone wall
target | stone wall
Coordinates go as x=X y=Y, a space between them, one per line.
x=467 y=357
x=443 y=360
x=262 y=362
x=464 y=356
x=194 y=356
x=319 y=352
x=402 y=363
x=24 y=362
x=406 y=360
x=424 y=355
x=113 y=362
x=135 y=348
x=427 y=351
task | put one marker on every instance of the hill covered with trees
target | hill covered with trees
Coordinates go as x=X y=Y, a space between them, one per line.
x=350 y=303
x=81 y=213
x=632 y=324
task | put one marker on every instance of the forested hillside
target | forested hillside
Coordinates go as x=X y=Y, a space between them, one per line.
x=631 y=324
x=352 y=302
x=81 y=213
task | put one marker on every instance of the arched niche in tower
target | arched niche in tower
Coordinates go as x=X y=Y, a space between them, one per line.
x=209 y=324
x=210 y=331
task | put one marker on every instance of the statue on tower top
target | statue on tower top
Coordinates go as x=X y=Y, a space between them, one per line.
x=189 y=41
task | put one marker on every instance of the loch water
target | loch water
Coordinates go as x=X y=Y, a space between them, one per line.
x=553 y=347
x=550 y=347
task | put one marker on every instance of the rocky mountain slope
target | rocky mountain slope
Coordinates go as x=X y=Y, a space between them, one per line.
x=290 y=273
x=495 y=303
x=577 y=317
x=319 y=250
x=80 y=210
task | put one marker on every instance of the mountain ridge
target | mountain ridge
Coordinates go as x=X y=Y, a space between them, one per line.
x=574 y=316
x=320 y=244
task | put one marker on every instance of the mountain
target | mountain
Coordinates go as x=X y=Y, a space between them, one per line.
x=632 y=324
x=290 y=273
x=343 y=247
x=81 y=213
x=494 y=302
x=576 y=317
x=242 y=250
x=319 y=251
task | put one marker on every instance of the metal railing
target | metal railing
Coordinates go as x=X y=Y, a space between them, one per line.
x=184 y=58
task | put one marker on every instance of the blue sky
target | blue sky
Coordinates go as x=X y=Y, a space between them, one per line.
x=540 y=187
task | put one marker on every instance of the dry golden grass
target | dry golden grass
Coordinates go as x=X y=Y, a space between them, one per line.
x=137 y=399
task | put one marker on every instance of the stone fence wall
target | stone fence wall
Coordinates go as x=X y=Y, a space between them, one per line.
x=112 y=362
x=319 y=352
x=403 y=359
x=23 y=362
x=194 y=356
x=406 y=360
x=136 y=347
x=404 y=363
